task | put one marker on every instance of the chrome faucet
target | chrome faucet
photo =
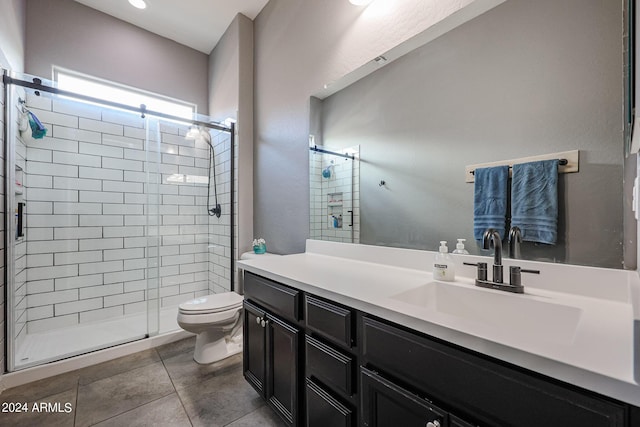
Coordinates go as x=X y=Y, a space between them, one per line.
x=491 y=238
x=515 y=238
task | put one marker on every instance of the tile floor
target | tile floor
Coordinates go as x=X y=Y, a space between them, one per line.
x=157 y=387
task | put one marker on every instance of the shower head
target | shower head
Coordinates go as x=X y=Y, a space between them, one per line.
x=199 y=133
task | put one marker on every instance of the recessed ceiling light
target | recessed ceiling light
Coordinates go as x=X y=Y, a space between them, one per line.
x=140 y=4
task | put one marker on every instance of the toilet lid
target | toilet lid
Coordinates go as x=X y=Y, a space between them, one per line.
x=212 y=303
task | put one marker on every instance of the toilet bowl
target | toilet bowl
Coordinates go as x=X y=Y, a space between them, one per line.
x=217 y=322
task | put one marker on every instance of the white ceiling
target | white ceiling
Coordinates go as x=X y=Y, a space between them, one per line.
x=196 y=23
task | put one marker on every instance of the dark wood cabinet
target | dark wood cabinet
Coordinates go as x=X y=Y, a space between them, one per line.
x=491 y=392
x=329 y=320
x=330 y=366
x=273 y=296
x=254 y=354
x=322 y=364
x=323 y=410
x=271 y=357
x=385 y=404
x=457 y=422
x=283 y=343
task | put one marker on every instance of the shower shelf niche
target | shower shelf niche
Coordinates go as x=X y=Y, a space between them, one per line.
x=19 y=180
x=334 y=210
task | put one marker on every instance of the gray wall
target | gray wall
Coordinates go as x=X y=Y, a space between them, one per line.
x=231 y=96
x=523 y=79
x=301 y=45
x=74 y=36
x=12 y=34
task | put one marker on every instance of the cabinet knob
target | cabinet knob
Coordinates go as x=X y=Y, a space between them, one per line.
x=435 y=423
x=258 y=320
x=263 y=323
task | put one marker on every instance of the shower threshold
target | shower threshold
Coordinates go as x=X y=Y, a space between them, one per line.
x=57 y=344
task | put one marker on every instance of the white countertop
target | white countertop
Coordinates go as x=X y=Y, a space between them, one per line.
x=594 y=350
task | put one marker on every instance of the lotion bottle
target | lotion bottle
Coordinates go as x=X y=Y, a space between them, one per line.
x=460 y=248
x=444 y=267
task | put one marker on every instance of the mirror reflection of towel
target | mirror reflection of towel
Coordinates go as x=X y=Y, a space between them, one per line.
x=38 y=131
x=490 y=200
x=534 y=200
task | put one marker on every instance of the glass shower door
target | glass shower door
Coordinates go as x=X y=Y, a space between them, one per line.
x=77 y=243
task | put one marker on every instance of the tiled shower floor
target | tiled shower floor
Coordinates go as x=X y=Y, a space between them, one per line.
x=52 y=345
x=159 y=387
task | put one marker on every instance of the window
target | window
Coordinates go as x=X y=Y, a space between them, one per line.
x=114 y=92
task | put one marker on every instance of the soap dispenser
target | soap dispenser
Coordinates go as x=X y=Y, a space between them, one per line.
x=460 y=248
x=444 y=267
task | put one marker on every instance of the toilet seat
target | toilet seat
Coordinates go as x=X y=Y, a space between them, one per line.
x=210 y=304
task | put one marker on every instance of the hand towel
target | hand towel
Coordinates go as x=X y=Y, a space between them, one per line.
x=490 y=200
x=534 y=200
x=38 y=131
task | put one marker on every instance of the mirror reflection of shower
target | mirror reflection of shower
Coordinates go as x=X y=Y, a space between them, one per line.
x=334 y=193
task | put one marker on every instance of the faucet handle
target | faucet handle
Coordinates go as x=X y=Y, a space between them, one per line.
x=482 y=269
x=515 y=278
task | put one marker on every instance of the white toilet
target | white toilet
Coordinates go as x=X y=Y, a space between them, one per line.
x=217 y=321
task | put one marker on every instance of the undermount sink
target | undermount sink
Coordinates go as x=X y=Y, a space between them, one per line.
x=497 y=312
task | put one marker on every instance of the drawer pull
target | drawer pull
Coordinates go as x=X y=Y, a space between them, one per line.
x=258 y=320
x=263 y=323
x=433 y=423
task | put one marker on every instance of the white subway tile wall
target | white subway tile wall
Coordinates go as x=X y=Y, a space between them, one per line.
x=108 y=216
x=334 y=196
x=20 y=248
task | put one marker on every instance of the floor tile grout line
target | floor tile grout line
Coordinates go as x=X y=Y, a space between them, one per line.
x=132 y=409
x=175 y=390
x=119 y=373
x=246 y=415
x=75 y=413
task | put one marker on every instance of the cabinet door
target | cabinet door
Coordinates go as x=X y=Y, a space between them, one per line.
x=254 y=355
x=492 y=393
x=283 y=386
x=386 y=404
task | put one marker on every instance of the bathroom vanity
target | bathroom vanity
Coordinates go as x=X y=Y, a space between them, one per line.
x=346 y=335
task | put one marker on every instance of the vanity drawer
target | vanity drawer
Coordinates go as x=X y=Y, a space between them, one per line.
x=323 y=410
x=281 y=299
x=493 y=392
x=329 y=366
x=329 y=320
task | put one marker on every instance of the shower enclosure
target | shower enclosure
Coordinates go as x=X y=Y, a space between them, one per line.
x=119 y=215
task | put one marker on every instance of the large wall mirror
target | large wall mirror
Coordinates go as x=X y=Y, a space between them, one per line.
x=525 y=78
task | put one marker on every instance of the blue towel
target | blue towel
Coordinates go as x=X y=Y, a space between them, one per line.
x=38 y=131
x=534 y=200
x=490 y=200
